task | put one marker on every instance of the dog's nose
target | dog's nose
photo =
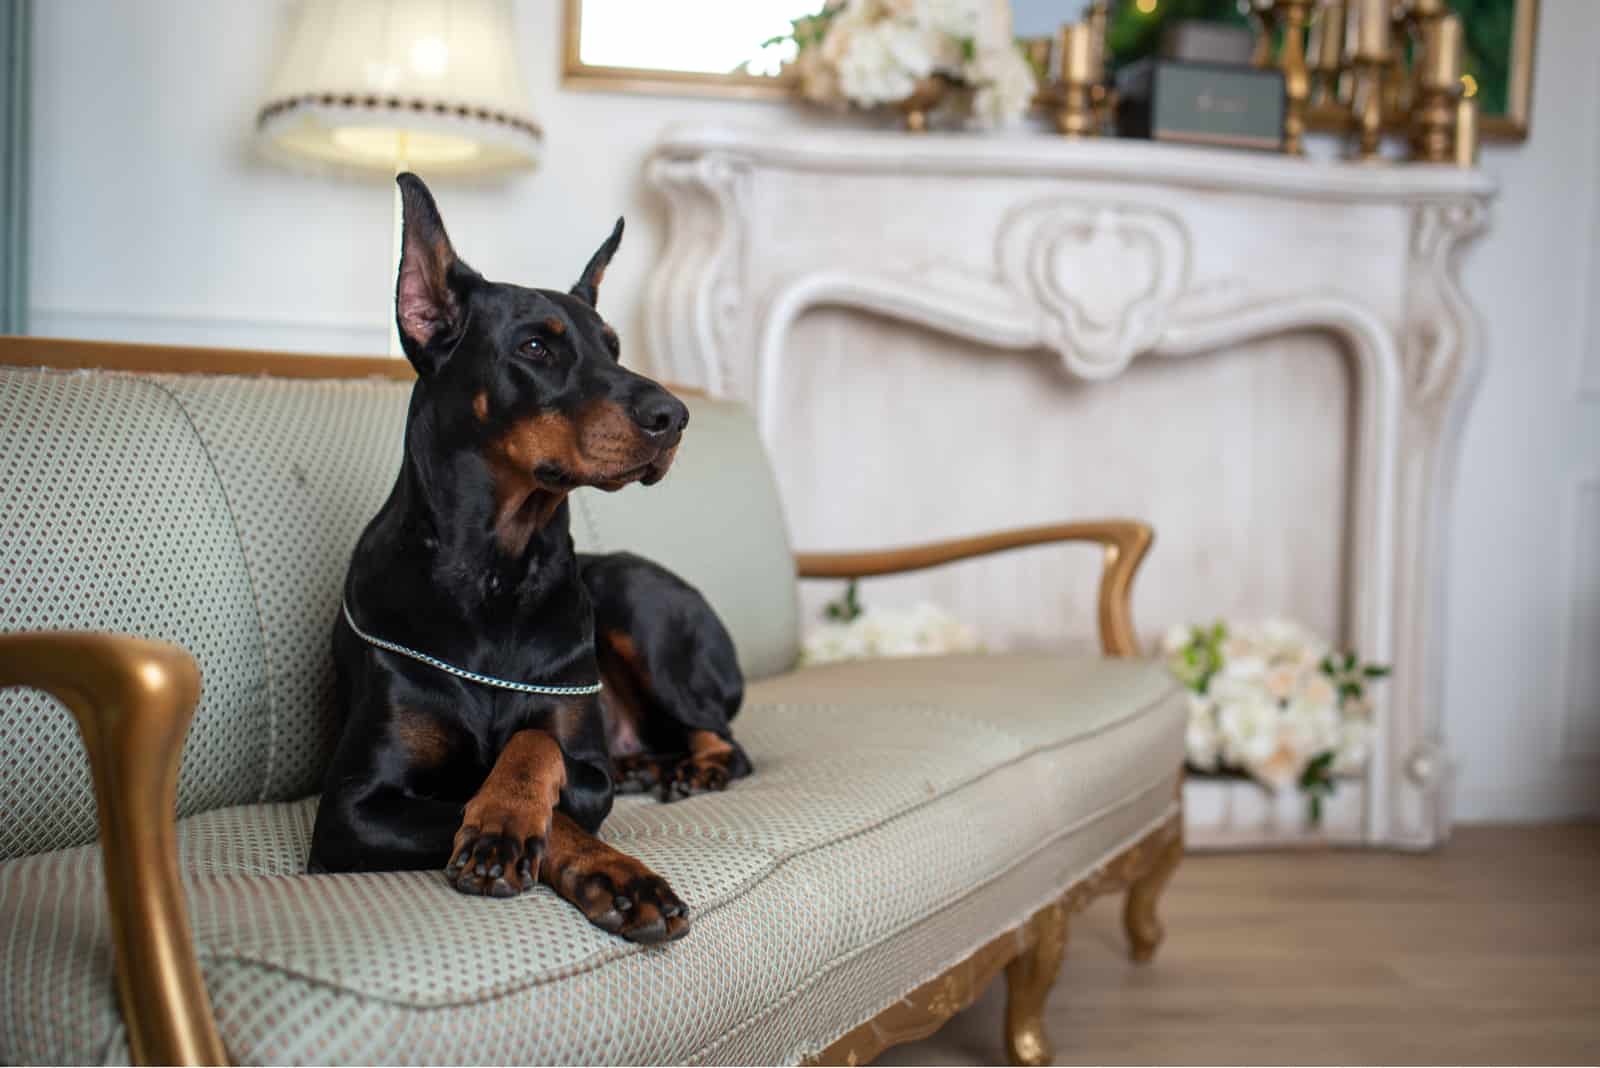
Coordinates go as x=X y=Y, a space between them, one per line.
x=659 y=413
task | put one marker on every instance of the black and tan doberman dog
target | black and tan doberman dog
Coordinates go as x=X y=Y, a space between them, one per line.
x=474 y=640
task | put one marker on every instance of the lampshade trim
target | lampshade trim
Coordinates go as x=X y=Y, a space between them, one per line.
x=372 y=102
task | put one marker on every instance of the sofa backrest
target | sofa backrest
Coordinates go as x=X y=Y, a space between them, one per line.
x=219 y=512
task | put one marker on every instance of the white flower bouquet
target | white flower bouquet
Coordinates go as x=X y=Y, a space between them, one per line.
x=850 y=632
x=1275 y=703
x=906 y=53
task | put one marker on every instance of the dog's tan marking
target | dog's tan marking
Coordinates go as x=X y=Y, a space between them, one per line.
x=555 y=326
x=423 y=737
x=706 y=745
x=601 y=446
x=480 y=406
x=623 y=684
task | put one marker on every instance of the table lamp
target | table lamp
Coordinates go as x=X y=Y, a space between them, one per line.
x=383 y=86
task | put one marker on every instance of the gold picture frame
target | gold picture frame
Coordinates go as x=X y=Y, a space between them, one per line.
x=576 y=74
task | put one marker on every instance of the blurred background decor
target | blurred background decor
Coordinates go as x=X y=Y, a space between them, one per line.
x=957 y=58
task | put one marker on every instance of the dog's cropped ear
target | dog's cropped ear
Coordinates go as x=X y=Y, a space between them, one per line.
x=430 y=294
x=588 y=287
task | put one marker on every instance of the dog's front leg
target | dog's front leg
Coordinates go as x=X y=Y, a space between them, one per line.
x=618 y=893
x=504 y=827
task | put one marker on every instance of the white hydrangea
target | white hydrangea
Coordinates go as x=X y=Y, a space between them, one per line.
x=1177 y=639
x=1249 y=728
x=882 y=62
x=1270 y=710
x=1202 y=740
x=1006 y=86
x=875 y=52
x=923 y=630
x=1350 y=756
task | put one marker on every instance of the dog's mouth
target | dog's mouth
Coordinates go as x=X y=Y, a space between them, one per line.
x=648 y=473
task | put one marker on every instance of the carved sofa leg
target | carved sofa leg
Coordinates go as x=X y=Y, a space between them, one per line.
x=1028 y=981
x=1139 y=909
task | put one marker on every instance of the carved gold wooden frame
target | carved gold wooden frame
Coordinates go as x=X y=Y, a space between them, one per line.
x=1031 y=955
x=133 y=701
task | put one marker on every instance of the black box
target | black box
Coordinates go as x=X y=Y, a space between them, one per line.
x=1201 y=104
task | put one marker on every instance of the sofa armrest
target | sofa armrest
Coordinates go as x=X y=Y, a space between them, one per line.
x=133 y=700
x=1126 y=541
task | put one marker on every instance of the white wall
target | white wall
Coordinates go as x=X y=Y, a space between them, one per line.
x=153 y=221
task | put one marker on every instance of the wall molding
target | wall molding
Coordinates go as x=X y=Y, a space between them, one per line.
x=222 y=328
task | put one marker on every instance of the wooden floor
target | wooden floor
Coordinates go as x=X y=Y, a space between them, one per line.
x=1487 y=951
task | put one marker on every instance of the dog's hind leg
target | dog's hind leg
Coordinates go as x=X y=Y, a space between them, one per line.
x=673 y=683
x=616 y=892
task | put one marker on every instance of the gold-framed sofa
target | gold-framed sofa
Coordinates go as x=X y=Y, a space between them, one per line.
x=176 y=525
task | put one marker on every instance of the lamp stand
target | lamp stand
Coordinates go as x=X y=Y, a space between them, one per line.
x=397 y=235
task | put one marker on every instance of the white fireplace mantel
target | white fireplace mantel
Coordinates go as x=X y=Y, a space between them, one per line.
x=1101 y=253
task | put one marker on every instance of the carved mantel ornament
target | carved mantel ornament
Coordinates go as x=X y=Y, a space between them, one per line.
x=1104 y=252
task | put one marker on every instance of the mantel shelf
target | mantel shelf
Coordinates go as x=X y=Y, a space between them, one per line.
x=1042 y=155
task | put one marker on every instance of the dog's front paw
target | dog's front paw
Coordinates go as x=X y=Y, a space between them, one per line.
x=636 y=904
x=494 y=864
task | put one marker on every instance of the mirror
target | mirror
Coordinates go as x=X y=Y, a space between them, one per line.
x=713 y=46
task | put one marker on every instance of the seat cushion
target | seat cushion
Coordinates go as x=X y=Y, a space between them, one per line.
x=901 y=814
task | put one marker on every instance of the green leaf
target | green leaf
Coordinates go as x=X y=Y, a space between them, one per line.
x=1349 y=661
x=847 y=608
x=1376 y=671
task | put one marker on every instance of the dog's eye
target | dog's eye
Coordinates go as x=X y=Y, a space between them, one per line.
x=535 y=348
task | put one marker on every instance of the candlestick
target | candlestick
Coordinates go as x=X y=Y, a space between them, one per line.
x=1263 y=20
x=1368 y=104
x=1370 y=22
x=1296 y=76
x=1467 y=132
x=1074 y=113
x=1097 y=16
x=1329 y=87
x=1441 y=53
